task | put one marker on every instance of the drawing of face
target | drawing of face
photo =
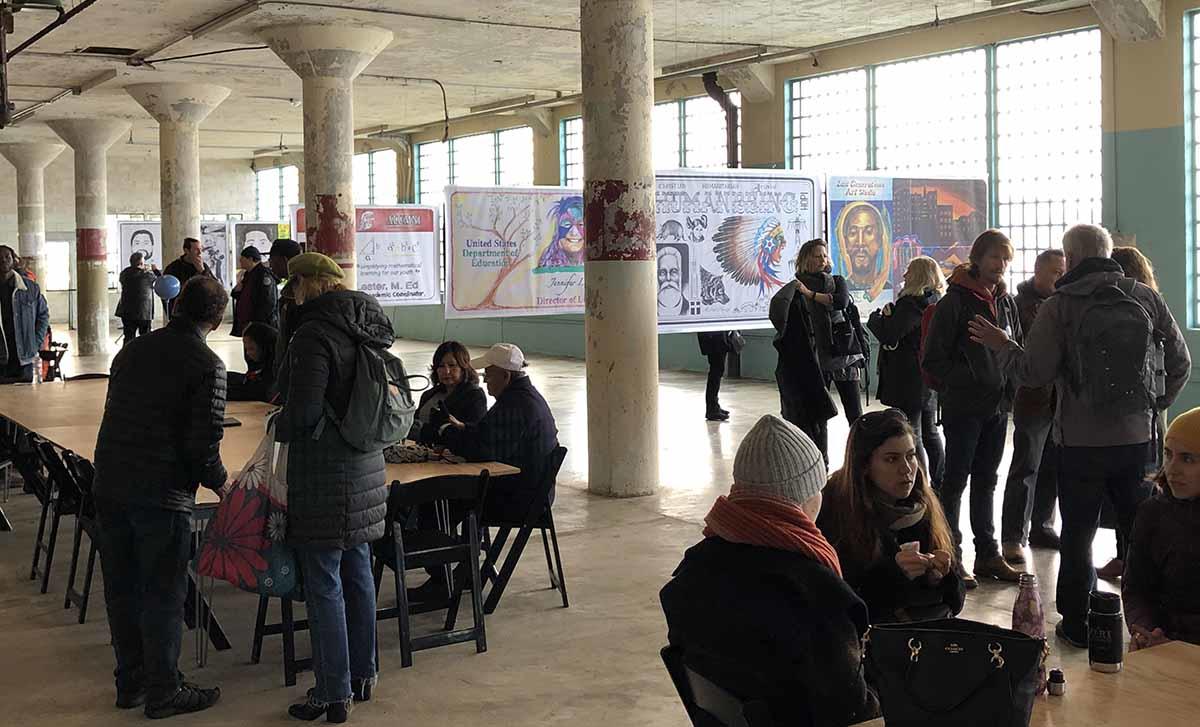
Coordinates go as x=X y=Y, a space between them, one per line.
x=143 y=242
x=258 y=239
x=861 y=235
x=670 y=279
x=570 y=229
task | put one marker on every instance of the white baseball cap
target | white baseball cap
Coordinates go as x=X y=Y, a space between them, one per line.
x=503 y=356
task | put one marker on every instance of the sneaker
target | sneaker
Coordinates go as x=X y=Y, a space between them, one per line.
x=188 y=698
x=1044 y=538
x=363 y=688
x=965 y=576
x=131 y=699
x=312 y=708
x=996 y=567
x=1112 y=570
x=1014 y=553
x=1065 y=634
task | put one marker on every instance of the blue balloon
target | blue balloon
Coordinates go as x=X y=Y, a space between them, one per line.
x=167 y=287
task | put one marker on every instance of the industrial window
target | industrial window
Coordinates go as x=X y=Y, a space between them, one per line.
x=1191 y=56
x=495 y=158
x=514 y=157
x=433 y=172
x=275 y=191
x=690 y=133
x=570 y=152
x=362 y=179
x=375 y=178
x=1025 y=115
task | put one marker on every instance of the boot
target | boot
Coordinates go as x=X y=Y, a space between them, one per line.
x=997 y=567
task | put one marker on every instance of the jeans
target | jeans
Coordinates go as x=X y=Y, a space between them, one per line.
x=1085 y=475
x=1032 y=484
x=851 y=400
x=134 y=328
x=712 y=389
x=339 y=596
x=144 y=555
x=974 y=448
x=928 y=440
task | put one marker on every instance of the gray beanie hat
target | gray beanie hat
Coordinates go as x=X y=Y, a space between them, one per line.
x=776 y=459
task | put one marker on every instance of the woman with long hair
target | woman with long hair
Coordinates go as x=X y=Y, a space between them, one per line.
x=898 y=328
x=887 y=525
x=258 y=348
x=1136 y=265
x=455 y=393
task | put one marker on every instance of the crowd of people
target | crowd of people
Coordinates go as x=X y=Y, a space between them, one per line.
x=1086 y=358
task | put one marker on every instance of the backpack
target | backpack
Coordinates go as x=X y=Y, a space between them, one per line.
x=926 y=318
x=381 y=407
x=1114 y=357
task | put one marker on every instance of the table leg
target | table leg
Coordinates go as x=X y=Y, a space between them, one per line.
x=5 y=525
x=198 y=613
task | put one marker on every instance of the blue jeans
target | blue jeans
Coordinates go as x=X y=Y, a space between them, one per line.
x=339 y=594
x=923 y=420
x=974 y=448
x=1085 y=475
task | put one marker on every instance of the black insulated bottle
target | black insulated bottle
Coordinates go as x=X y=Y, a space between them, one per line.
x=1106 y=632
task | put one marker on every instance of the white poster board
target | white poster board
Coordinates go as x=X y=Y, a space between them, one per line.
x=141 y=236
x=397 y=250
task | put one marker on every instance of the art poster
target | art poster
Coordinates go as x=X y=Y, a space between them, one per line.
x=726 y=243
x=214 y=243
x=397 y=251
x=514 y=251
x=144 y=237
x=878 y=224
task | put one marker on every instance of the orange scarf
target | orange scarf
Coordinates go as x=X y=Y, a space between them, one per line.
x=771 y=523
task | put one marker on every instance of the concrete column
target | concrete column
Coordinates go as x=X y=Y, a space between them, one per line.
x=31 y=160
x=328 y=58
x=91 y=138
x=179 y=109
x=621 y=272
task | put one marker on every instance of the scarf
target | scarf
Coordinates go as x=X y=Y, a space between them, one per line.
x=897 y=515
x=770 y=523
x=963 y=278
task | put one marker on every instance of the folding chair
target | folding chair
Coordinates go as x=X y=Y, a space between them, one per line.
x=85 y=522
x=287 y=628
x=538 y=515
x=62 y=499
x=707 y=703
x=403 y=550
x=29 y=463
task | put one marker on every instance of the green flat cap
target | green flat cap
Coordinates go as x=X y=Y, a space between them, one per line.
x=313 y=264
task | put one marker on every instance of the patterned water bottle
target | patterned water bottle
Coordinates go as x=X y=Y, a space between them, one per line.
x=1028 y=617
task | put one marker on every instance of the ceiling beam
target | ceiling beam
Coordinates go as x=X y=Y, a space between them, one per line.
x=539 y=119
x=756 y=82
x=1131 y=21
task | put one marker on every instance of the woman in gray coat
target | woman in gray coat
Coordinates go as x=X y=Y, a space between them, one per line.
x=337 y=495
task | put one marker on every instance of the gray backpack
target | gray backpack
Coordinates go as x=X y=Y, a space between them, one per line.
x=1116 y=361
x=381 y=407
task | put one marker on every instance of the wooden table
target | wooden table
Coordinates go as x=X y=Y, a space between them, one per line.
x=1157 y=687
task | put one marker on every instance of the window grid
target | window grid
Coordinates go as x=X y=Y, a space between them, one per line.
x=570 y=152
x=275 y=191
x=828 y=116
x=1192 y=137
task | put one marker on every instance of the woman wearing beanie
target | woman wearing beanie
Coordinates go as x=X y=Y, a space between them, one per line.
x=891 y=536
x=1161 y=585
x=759 y=606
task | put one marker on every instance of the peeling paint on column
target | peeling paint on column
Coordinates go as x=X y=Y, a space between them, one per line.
x=333 y=234
x=617 y=223
x=90 y=244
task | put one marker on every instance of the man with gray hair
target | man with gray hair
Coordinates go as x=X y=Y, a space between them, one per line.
x=1116 y=357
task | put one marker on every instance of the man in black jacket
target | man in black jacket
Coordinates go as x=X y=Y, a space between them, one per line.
x=136 y=305
x=283 y=250
x=188 y=265
x=254 y=298
x=160 y=437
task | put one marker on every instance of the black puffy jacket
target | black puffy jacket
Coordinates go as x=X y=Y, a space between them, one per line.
x=899 y=334
x=161 y=432
x=337 y=495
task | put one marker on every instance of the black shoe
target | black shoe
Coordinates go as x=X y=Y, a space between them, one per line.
x=723 y=411
x=431 y=591
x=131 y=699
x=1064 y=634
x=311 y=709
x=1044 y=538
x=717 y=416
x=362 y=688
x=189 y=698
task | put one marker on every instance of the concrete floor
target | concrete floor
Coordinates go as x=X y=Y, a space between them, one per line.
x=595 y=664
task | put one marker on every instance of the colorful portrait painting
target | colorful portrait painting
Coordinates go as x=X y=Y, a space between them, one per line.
x=566 y=249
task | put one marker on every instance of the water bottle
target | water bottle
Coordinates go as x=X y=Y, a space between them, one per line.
x=1029 y=618
x=1106 y=632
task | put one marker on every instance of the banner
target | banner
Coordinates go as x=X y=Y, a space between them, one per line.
x=514 y=251
x=397 y=250
x=727 y=242
x=144 y=237
x=878 y=224
x=214 y=243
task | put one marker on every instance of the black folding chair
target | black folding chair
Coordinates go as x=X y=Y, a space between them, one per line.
x=538 y=515
x=62 y=499
x=707 y=703
x=403 y=550
x=85 y=522
x=287 y=628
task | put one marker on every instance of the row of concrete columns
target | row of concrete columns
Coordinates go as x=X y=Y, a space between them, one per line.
x=618 y=98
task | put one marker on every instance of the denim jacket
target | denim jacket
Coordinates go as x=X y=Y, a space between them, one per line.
x=31 y=316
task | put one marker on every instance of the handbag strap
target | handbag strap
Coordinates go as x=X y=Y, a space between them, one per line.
x=908 y=687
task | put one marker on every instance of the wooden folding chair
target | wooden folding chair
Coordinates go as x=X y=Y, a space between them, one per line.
x=61 y=498
x=287 y=628
x=85 y=522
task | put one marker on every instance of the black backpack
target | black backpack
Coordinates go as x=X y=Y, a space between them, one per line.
x=1115 y=360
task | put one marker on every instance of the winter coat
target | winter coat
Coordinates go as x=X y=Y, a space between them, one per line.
x=1038 y=401
x=772 y=625
x=467 y=403
x=972 y=378
x=819 y=317
x=899 y=334
x=714 y=343
x=286 y=313
x=337 y=495
x=1047 y=359
x=256 y=302
x=184 y=271
x=1161 y=584
x=889 y=594
x=161 y=432
x=798 y=371
x=31 y=318
x=137 y=294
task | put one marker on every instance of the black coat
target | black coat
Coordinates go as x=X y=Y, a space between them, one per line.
x=1161 y=585
x=889 y=594
x=137 y=294
x=714 y=343
x=899 y=334
x=337 y=495
x=467 y=403
x=797 y=371
x=262 y=287
x=773 y=625
x=183 y=271
x=161 y=432
x=286 y=307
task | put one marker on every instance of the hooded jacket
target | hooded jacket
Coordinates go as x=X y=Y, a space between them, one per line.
x=1046 y=359
x=337 y=495
x=972 y=379
x=899 y=334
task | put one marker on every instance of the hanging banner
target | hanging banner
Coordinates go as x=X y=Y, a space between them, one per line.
x=144 y=237
x=878 y=224
x=397 y=250
x=214 y=243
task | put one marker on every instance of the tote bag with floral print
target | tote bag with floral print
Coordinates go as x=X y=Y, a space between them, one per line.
x=244 y=543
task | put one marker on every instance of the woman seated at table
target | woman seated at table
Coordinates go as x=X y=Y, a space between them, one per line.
x=258 y=383
x=455 y=392
x=888 y=527
x=1161 y=584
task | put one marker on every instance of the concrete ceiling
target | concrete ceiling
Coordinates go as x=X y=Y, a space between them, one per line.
x=482 y=51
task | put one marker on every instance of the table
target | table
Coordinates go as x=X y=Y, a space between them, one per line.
x=1156 y=687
